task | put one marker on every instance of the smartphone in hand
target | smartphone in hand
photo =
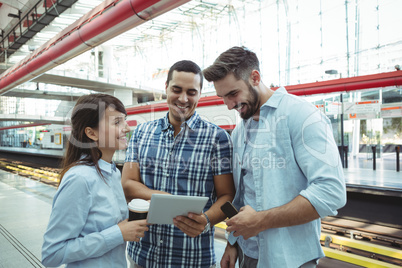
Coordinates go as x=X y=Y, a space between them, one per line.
x=229 y=209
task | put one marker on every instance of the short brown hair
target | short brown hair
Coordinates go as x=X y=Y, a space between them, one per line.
x=237 y=60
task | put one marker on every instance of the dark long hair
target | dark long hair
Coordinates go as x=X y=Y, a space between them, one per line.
x=87 y=112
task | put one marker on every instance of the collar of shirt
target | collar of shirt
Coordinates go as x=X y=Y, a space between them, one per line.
x=192 y=123
x=107 y=167
x=273 y=102
x=276 y=98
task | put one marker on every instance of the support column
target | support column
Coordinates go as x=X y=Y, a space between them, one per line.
x=125 y=95
x=107 y=62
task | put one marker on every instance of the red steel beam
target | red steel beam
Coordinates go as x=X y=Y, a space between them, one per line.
x=337 y=85
x=330 y=86
x=348 y=84
x=104 y=22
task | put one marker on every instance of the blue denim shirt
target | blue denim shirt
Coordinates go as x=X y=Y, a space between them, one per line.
x=82 y=230
x=294 y=154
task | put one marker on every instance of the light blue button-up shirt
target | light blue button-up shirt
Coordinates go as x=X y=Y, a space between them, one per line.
x=82 y=230
x=294 y=154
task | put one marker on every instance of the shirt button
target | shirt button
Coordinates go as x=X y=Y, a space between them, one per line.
x=161 y=241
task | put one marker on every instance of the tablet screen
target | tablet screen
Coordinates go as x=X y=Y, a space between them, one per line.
x=165 y=207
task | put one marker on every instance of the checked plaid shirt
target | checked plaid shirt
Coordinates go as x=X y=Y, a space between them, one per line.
x=181 y=165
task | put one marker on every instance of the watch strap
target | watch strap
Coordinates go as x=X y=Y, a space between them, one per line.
x=206 y=218
x=207 y=227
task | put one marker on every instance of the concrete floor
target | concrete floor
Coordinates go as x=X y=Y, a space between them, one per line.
x=24 y=214
x=25 y=207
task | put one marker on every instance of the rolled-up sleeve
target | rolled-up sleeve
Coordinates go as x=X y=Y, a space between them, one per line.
x=318 y=158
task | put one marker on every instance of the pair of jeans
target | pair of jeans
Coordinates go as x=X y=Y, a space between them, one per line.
x=247 y=262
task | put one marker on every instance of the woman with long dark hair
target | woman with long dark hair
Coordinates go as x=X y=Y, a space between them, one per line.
x=88 y=225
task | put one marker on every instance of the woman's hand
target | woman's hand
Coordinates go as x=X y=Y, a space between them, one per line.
x=133 y=230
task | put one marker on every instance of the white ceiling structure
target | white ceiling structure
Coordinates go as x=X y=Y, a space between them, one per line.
x=176 y=20
x=69 y=87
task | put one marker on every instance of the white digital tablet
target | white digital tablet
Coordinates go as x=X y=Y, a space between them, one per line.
x=165 y=207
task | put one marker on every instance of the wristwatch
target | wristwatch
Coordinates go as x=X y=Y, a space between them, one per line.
x=207 y=226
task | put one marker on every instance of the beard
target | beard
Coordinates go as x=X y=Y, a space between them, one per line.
x=253 y=103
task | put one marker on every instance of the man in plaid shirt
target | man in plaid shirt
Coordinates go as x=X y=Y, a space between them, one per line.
x=179 y=154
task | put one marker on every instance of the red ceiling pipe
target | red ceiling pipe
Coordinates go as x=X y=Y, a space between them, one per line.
x=348 y=84
x=104 y=22
x=338 y=85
